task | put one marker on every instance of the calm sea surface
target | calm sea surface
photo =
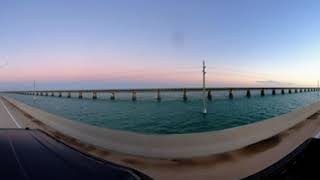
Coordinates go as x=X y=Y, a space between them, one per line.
x=171 y=115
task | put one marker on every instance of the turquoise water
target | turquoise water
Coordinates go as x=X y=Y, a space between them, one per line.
x=171 y=115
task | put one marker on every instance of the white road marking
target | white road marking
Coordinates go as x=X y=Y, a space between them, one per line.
x=13 y=119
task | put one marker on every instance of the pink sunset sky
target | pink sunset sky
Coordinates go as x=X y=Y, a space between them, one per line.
x=97 y=44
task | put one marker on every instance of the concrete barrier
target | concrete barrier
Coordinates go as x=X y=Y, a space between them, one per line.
x=173 y=146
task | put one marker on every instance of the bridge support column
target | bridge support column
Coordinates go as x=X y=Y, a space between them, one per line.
x=300 y=90
x=290 y=91
x=94 y=95
x=52 y=93
x=60 y=94
x=185 y=95
x=262 y=92
x=230 y=94
x=134 y=95
x=158 y=95
x=37 y=94
x=113 y=96
x=80 y=95
x=248 y=93
x=41 y=93
x=273 y=92
x=46 y=94
x=209 y=95
x=282 y=91
x=296 y=91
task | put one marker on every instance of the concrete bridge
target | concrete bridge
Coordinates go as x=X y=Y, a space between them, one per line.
x=158 y=91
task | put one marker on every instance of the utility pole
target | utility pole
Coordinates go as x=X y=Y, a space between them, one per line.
x=204 y=87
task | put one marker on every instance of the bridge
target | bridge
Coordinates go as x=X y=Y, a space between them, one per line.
x=208 y=91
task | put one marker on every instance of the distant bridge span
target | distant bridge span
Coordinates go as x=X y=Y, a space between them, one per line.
x=184 y=91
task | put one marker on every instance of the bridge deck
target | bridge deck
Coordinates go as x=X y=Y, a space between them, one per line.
x=166 y=89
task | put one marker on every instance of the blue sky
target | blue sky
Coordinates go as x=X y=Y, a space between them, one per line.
x=91 y=44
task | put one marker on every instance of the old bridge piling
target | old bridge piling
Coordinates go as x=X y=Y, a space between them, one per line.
x=263 y=91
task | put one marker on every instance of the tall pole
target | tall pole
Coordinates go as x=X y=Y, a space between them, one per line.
x=204 y=87
x=318 y=88
x=34 y=89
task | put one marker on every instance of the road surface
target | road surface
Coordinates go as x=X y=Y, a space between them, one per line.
x=7 y=120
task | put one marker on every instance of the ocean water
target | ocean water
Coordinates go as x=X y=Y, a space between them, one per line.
x=171 y=115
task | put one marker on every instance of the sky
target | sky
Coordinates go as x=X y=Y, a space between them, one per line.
x=85 y=44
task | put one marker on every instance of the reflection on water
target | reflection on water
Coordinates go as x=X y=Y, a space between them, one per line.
x=172 y=114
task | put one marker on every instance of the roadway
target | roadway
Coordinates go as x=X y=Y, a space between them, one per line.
x=7 y=120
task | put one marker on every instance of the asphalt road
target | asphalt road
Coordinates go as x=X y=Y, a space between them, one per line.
x=7 y=120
